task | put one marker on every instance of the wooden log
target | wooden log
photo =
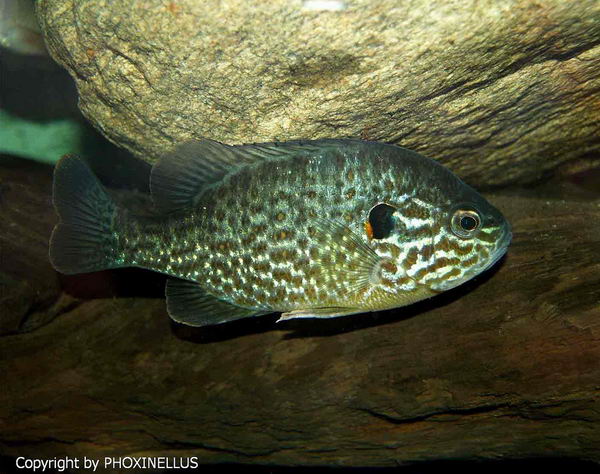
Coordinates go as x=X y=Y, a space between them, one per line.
x=506 y=366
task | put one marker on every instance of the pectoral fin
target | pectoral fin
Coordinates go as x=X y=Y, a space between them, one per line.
x=343 y=256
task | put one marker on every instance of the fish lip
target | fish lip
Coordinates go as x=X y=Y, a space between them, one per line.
x=497 y=256
x=507 y=235
x=502 y=246
x=505 y=240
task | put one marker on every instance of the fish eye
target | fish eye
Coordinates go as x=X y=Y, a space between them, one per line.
x=465 y=222
x=381 y=221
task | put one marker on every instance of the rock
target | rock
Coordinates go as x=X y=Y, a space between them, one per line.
x=500 y=91
x=505 y=366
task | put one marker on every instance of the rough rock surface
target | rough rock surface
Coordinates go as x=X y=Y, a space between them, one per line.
x=501 y=91
x=503 y=367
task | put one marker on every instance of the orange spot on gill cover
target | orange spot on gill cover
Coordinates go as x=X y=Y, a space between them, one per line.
x=173 y=8
x=369 y=230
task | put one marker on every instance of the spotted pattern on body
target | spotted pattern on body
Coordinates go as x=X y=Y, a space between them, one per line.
x=257 y=240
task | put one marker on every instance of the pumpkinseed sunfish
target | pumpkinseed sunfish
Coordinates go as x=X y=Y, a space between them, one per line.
x=316 y=229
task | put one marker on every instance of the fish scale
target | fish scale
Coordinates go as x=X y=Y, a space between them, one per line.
x=290 y=228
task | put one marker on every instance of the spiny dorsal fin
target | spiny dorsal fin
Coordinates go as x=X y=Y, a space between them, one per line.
x=296 y=147
x=188 y=303
x=181 y=176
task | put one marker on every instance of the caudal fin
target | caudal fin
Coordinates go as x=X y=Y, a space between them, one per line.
x=84 y=239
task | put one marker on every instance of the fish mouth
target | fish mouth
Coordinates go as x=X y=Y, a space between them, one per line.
x=501 y=248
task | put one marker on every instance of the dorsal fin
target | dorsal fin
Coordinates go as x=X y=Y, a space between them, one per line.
x=180 y=177
x=292 y=148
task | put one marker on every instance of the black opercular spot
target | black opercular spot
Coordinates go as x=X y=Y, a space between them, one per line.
x=381 y=220
x=468 y=222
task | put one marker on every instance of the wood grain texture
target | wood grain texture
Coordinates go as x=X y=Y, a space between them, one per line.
x=506 y=366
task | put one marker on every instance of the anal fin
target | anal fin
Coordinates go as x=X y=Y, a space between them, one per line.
x=332 y=312
x=188 y=303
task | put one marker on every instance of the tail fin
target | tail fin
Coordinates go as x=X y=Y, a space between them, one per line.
x=84 y=239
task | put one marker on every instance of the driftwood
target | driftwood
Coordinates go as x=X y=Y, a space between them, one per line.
x=506 y=366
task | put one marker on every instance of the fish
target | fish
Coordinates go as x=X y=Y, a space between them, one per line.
x=309 y=229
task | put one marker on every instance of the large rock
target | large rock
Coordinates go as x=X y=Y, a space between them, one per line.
x=501 y=91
